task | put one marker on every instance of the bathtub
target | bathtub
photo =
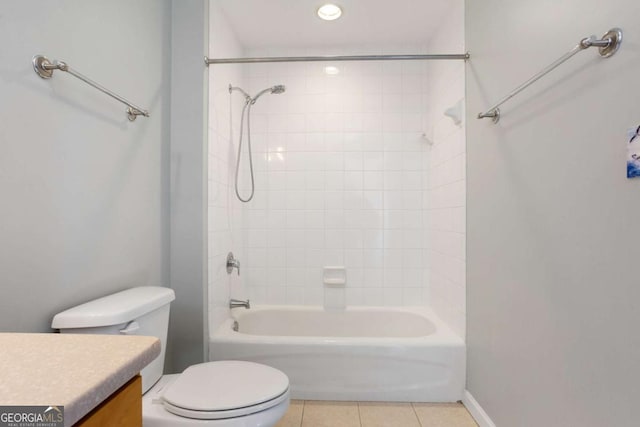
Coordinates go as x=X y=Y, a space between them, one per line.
x=359 y=354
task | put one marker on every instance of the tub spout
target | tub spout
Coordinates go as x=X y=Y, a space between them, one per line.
x=233 y=303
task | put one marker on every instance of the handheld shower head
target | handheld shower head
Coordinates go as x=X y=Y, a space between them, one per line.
x=277 y=89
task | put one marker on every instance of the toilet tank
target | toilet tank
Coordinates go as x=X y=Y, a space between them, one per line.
x=136 y=311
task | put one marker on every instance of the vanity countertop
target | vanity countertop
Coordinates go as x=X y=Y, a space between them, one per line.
x=74 y=371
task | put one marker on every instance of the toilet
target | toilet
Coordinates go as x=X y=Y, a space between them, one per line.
x=217 y=394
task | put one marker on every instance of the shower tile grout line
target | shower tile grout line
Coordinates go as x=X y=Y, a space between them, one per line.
x=359 y=416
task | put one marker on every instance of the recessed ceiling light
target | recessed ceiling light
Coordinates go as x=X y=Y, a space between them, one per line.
x=329 y=12
x=331 y=70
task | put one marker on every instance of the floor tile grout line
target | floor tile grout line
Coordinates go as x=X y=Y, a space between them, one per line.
x=416 y=414
x=304 y=403
x=412 y=404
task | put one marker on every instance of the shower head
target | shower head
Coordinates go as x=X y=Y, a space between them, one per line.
x=277 y=89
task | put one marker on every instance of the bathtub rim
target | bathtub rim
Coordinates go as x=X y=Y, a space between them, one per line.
x=443 y=336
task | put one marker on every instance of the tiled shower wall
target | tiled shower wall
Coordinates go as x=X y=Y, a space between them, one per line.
x=343 y=177
x=447 y=177
x=225 y=215
x=341 y=180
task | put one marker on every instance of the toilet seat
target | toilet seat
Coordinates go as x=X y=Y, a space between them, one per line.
x=225 y=389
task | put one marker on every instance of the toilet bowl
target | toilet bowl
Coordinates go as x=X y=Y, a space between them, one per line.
x=252 y=395
x=217 y=394
x=178 y=400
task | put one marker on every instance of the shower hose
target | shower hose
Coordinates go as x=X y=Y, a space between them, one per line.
x=246 y=109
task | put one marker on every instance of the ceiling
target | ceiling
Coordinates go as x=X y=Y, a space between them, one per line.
x=294 y=23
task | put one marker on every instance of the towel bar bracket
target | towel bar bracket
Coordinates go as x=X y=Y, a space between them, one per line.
x=615 y=35
x=493 y=114
x=43 y=67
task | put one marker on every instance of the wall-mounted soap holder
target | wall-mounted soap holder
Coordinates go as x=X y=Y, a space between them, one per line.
x=334 y=276
x=334 y=279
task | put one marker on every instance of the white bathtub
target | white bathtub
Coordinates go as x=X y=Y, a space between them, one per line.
x=363 y=354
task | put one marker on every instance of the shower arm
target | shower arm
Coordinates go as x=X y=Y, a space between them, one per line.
x=247 y=97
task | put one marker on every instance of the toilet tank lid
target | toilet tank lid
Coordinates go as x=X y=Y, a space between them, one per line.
x=114 y=309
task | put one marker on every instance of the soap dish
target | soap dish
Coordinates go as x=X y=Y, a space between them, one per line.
x=335 y=276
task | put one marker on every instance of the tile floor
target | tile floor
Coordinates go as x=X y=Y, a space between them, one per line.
x=310 y=413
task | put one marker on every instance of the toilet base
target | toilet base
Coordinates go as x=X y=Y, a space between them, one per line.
x=154 y=414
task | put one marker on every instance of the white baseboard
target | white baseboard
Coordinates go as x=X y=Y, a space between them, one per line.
x=476 y=410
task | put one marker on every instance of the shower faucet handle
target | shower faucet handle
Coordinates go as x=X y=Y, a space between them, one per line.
x=232 y=263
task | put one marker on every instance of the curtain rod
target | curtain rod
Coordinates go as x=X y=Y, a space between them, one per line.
x=456 y=56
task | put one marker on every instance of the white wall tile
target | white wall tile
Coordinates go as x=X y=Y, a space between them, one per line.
x=224 y=213
x=446 y=199
x=343 y=175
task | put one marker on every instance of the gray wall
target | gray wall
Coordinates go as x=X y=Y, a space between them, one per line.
x=188 y=184
x=553 y=287
x=83 y=211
